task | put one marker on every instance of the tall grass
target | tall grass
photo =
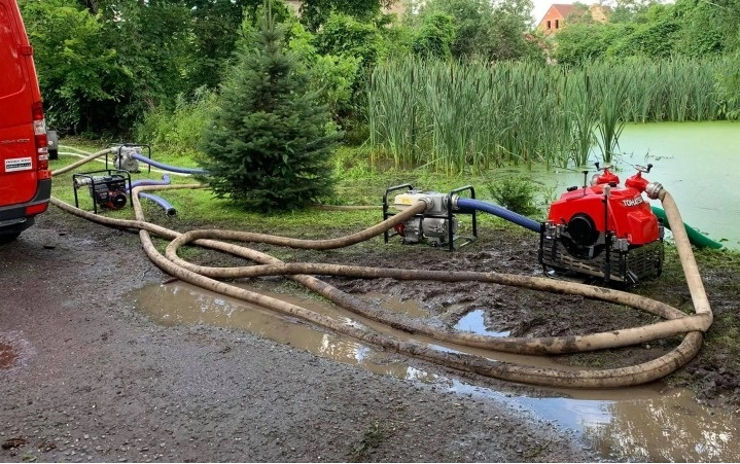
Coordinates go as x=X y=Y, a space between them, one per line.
x=178 y=130
x=470 y=117
x=613 y=91
x=580 y=115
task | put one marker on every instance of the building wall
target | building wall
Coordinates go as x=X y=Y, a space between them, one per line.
x=555 y=18
x=398 y=8
x=552 y=21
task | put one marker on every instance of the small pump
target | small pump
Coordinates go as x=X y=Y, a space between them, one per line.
x=127 y=155
x=108 y=189
x=437 y=226
x=605 y=230
x=432 y=227
x=124 y=158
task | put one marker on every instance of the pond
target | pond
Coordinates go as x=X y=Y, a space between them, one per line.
x=699 y=163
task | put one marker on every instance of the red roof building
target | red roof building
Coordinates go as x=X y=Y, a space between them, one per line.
x=555 y=17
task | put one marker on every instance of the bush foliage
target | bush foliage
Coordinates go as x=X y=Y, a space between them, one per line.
x=651 y=29
x=516 y=194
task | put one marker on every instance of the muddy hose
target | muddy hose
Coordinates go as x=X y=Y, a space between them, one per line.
x=528 y=345
x=584 y=378
x=82 y=161
x=677 y=322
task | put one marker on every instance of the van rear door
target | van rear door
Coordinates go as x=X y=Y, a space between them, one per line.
x=18 y=92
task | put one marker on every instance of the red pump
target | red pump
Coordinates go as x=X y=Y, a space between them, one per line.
x=604 y=230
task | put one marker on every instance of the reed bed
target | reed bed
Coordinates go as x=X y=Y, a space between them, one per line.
x=470 y=117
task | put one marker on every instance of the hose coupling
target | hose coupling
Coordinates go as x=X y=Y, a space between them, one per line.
x=453 y=202
x=653 y=190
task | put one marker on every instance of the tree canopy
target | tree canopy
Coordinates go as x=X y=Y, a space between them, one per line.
x=694 y=28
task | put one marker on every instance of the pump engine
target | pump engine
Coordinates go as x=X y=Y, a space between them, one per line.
x=605 y=230
x=109 y=192
x=437 y=226
x=108 y=189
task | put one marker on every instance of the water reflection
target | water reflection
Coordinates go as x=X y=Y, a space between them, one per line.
x=184 y=304
x=474 y=322
x=666 y=428
x=636 y=424
x=640 y=423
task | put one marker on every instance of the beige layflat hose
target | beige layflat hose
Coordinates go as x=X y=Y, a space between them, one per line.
x=676 y=323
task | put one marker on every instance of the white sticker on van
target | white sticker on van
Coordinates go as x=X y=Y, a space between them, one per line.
x=18 y=164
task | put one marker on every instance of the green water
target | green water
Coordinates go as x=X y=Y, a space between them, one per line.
x=699 y=163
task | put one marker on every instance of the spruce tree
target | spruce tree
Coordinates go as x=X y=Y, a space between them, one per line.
x=269 y=146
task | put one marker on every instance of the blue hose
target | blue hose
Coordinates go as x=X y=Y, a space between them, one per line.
x=469 y=204
x=166 y=205
x=167 y=167
x=165 y=181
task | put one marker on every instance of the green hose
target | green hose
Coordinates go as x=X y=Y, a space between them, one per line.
x=695 y=237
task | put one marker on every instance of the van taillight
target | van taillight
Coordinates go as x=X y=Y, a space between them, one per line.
x=36 y=209
x=39 y=132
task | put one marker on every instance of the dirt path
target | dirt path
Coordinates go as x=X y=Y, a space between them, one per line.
x=89 y=379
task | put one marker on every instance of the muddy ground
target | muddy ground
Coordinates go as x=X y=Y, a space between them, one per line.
x=91 y=379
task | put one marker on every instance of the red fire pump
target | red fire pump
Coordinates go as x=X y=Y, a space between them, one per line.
x=604 y=230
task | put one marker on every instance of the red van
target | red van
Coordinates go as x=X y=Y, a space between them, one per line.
x=25 y=179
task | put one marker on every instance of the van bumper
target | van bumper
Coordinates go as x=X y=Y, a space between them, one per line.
x=13 y=218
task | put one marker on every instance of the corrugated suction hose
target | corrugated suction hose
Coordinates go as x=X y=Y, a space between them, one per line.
x=676 y=322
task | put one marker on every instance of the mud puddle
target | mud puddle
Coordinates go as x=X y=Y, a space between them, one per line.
x=644 y=424
x=640 y=423
x=474 y=322
x=396 y=304
x=180 y=303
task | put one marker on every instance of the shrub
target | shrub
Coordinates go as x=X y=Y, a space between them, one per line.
x=434 y=37
x=516 y=194
x=179 y=130
x=80 y=76
x=343 y=35
x=333 y=76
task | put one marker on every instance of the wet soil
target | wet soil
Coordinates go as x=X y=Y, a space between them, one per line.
x=109 y=382
x=101 y=381
x=638 y=423
x=714 y=375
x=7 y=356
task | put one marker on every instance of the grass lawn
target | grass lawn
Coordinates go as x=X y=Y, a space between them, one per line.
x=356 y=185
